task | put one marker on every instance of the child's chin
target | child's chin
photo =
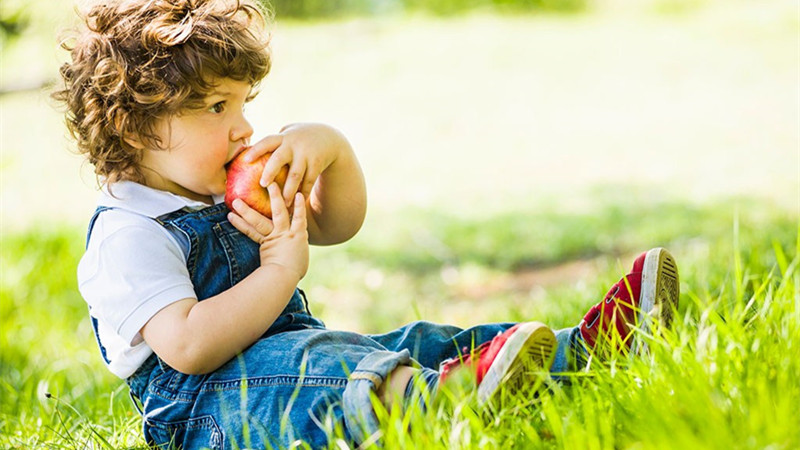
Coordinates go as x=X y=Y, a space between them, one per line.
x=218 y=190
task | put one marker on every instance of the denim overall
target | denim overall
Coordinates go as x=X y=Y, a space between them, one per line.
x=300 y=380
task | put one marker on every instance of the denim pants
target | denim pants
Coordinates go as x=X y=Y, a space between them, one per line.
x=300 y=380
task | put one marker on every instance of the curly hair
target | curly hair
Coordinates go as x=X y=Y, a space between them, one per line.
x=139 y=61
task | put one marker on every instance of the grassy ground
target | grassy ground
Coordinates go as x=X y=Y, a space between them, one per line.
x=515 y=165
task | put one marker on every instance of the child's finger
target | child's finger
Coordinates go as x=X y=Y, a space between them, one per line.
x=260 y=224
x=276 y=161
x=264 y=146
x=280 y=215
x=242 y=225
x=307 y=186
x=296 y=174
x=299 y=221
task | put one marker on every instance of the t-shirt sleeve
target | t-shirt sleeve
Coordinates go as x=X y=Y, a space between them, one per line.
x=129 y=274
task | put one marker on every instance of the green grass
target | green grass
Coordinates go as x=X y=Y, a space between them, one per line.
x=726 y=377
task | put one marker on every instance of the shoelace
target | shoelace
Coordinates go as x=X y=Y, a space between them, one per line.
x=613 y=311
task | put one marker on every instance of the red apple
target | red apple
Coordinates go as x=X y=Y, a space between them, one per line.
x=243 y=183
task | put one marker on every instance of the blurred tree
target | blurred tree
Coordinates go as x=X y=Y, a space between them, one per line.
x=12 y=22
x=543 y=5
x=332 y=8
x=325 y=8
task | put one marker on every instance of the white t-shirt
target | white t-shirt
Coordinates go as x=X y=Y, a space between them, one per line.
x=133 y=267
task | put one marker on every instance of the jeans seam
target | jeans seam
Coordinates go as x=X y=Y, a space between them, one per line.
x=275 y=380
x=170 y=396
x=229 y=254
x=376 y=379
x=191 y=260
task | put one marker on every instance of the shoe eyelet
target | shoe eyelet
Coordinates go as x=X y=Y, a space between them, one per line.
x=611 y=296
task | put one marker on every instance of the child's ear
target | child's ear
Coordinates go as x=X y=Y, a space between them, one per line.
x=131 y=140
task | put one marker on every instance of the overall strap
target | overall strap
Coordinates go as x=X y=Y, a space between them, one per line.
x=167 y=221
x=170 y=216
x=92 y=221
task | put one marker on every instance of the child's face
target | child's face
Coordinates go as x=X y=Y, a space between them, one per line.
x=199 y=143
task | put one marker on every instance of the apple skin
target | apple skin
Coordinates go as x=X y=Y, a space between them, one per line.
x=243 y=182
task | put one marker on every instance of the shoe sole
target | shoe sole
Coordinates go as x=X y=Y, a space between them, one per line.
x=530 y=349
x=659 y=293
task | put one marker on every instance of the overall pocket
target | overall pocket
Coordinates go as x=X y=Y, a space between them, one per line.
x=200 y=432
x=241 y=252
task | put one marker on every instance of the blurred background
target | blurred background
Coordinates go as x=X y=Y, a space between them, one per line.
x=513 y=134
x=465 y=104
x=485 y=127
x=518 y=154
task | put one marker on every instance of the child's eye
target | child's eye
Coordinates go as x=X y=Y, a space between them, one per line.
x=217 y=108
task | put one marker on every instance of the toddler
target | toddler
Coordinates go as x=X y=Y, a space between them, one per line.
x=197 y=307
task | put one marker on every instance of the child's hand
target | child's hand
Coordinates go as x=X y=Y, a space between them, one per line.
x=284 y=239
x=324 y=168
x=308 y=149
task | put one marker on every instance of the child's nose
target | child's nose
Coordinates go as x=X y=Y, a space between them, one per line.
x=241 y=131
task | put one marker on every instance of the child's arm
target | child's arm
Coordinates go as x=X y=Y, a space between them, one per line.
x=199 y=337
x=324 y=168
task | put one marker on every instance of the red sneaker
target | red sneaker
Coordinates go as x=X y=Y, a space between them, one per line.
x=650 y=292
x=507 y=359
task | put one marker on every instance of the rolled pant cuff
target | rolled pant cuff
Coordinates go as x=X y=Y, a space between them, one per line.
x=368 y=376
